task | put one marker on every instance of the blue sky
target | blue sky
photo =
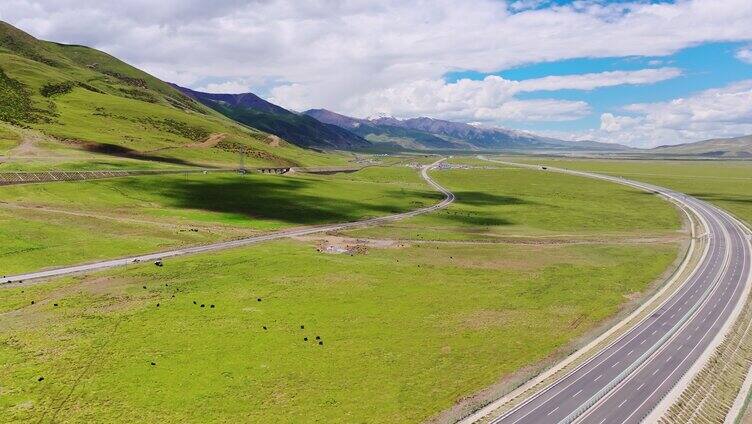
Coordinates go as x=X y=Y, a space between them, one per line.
x=703 y=67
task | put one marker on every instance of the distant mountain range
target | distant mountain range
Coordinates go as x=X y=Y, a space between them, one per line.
x=737 y=147
x=324 y=129
x=429 y=134
x=299 y=129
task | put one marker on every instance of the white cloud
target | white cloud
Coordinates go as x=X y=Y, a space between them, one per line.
x=491 y=99
x=611 y=123
x=714 y=113
x=596 y=80
x=745 y=54
x=236 y=86
x=334 y=52
x=533 y=110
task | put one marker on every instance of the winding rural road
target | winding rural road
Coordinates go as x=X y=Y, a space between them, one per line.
x=96 y=266
x=624 y=382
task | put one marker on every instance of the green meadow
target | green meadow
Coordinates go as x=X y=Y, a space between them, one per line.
x=55 y=224
x=406 y=331
x=727 y=184
x=516 y=202
x=408 y=327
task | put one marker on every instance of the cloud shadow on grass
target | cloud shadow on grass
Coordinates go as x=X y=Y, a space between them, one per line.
x=118 y=151
x=723 y=198
x=481 y=218
x=274 y=198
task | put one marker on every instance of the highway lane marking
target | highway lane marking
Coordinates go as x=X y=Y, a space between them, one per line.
x=695 y=280
x=656 y=371
x=675 y=301
x=737 y=285
x=643 y=341
x=630 y=352
x=638 y=389
x=577 y=393
x=615 y=364
x=596 y=378
x=552 y=411
x=623 y=402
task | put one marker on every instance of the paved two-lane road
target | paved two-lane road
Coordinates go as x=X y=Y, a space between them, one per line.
x=57 y=272
x=625 y=381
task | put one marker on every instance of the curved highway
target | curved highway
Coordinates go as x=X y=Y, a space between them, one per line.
x=625 y=381
x=57 y=272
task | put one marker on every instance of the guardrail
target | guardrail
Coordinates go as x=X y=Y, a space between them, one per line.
x=12 y=178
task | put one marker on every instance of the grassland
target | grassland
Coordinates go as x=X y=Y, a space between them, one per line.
x=727 y=184
x=513 y=202
x=406 y=331
x=8 y=139
x=408 y=327
x=523 y=264
x=62 y=223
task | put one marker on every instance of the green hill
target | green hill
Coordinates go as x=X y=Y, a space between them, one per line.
x=87 y=103
x=737 y=148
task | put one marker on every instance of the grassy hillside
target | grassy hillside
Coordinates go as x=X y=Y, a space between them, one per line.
x=89 y=101
x=8 y=139
x=739 y=147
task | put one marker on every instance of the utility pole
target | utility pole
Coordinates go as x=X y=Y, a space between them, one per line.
x=241 y=162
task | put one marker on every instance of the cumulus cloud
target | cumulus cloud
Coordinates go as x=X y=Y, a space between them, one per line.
x=341 y=49
x=612 y=124
x=745 y=55
x=489 y=100
x=533 y=110
x=714 y=113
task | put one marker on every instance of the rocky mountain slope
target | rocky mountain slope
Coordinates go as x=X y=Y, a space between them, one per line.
x=302 y=130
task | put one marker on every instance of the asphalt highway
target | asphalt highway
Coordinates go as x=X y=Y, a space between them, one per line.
x=152 y=257
x=625 y=381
